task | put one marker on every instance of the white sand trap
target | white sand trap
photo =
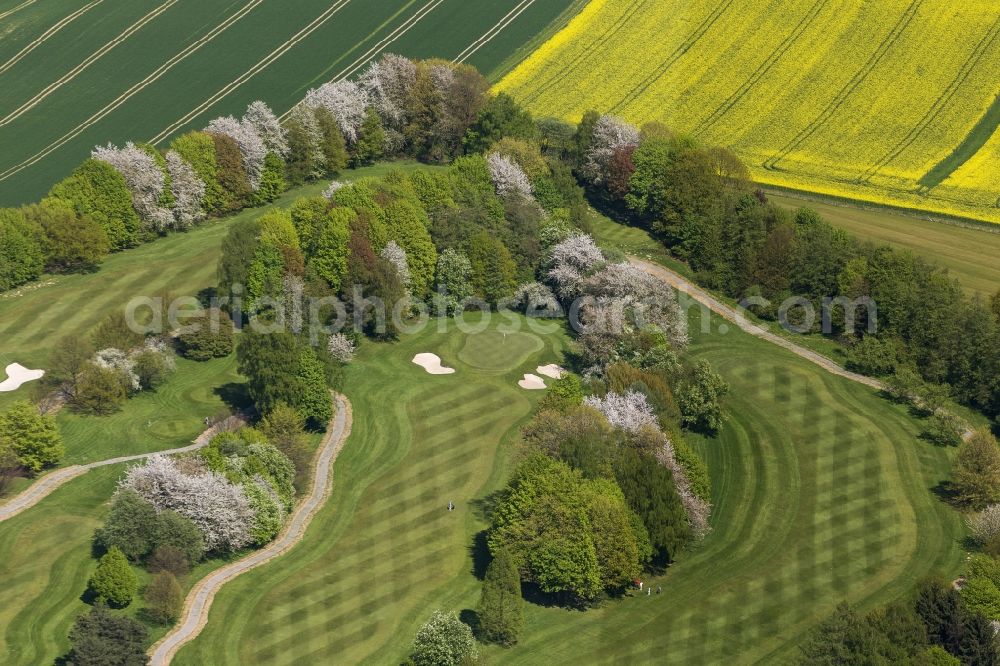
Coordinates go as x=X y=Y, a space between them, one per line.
x=17 y=374
x=531 y=382
x=551 y=370
x=432 y=364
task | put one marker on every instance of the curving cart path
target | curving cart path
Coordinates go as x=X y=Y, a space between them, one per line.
x=199 y=599
x=733 y=315
x=48 y=483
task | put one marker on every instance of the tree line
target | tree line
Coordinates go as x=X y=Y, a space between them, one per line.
x=700 y=202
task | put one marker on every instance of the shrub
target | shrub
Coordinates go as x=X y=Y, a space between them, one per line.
x=210 y=337
x=99 y=390
x=976 y=471
x=164 y=598
x=32 y=437
x=873 y=356
x=500 y=610
x=444 y=640
x=130 y=526
x=114 y=581
x=114 y=333
x=100 y=638
x=178 y=532
x=169 y=558
x=945 y=429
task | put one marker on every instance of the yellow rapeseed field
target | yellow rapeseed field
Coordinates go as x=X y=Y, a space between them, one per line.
x=886 y=101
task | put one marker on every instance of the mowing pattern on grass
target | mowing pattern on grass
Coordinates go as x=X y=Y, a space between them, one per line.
x=45 y=561
x=128 y=71
x=822 y=494
x=385 y=551
x=892 y=102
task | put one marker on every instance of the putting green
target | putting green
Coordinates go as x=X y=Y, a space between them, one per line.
x=497 y=351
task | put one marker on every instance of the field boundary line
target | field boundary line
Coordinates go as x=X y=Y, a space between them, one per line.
x=257 y=67
x=364 y=58
x=199 y=600
x=87 y=62
x=16 y=9
x=49 y=483
x=848 y=89
x=495 y=30
x=769 y=62
x=676 y=55
x=45 y=36
x=137 y=87
x=557 y=77
x=963 y=73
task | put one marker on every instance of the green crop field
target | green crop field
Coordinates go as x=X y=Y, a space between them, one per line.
x=77 y=73
x=822 y=494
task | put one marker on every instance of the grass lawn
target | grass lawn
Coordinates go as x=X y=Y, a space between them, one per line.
x=970 y=254
x=823 y=493
x=384 y=552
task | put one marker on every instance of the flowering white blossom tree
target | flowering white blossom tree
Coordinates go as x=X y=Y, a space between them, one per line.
x=698 y=510
x=571 y=261
x=632 y=413
x=188 y=190
x=220 y=509
x=508 y=177
x=119 y=361
x=629 y=411
x=396 y=256
x=144 y=178
x=341 y=348
x=645 y=300
x=332 y=188
x=536 y=297
x=388 y=83
x=252 y=147
x=985 y=525
x=610 y=135
x=261 y=118
x=346 y=100
x=442 y=76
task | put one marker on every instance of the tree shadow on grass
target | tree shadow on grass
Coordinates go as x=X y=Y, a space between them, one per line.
x=481 y=556
x=235 y=395
x=471 y=618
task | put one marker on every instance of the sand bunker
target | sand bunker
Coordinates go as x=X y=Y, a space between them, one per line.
x=17 y=374
x=551 y=370
x=432 y=364
x=531 y=382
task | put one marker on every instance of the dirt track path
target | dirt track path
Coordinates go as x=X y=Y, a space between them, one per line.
x=47 y=484
x=733 y=315
x=199 y=599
